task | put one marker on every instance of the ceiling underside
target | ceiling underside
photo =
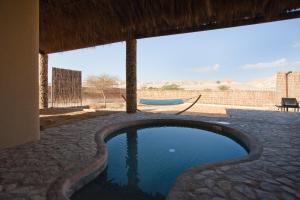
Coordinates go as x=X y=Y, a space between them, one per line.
x=73 y=24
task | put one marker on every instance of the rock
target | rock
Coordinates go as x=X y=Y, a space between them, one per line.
x=237 y=196
x=225 y=168
x=268 y=186
x=199 y=176
x=287 y=196
x=291 y=191
x=203 y=190
x=208 y=172
x=247 y=191
x=218 y=198
x=219 y=192
x=209 y=183
x=37 y=197
x=265 y=195
x=285 y=181
x=10 y=187
x=225 y=185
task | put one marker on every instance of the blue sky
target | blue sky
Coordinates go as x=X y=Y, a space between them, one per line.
x=240 y=53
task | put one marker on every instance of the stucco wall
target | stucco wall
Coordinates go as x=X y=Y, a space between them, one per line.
x=19 y=22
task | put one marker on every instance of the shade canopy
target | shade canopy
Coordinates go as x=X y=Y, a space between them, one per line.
x=73 y=24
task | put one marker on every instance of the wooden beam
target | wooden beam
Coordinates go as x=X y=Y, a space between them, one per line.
x=43 y=71
x=131 y=103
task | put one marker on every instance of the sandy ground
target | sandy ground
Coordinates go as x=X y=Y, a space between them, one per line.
x=58 y=116
x=197 y=109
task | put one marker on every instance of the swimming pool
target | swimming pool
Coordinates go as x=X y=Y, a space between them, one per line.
x=161 y=101
x=143 y=162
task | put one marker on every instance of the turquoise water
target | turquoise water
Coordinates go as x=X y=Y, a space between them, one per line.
x=161 y=101
x=143 y=163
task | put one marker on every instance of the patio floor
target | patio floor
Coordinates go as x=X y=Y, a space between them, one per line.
x=26 y=172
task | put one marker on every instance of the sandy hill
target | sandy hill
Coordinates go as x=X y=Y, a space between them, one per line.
x=267 y=83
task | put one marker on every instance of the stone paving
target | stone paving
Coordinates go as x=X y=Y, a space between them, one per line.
x=26 y=172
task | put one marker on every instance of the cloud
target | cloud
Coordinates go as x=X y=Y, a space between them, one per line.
x=283 y=62
x=296 y=45
x=213 y=68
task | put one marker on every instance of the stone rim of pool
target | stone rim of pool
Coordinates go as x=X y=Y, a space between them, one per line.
x=85 y=171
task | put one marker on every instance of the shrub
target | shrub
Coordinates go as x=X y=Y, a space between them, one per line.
x=170 y=87
x=207 y=90
x=152 y=88
x=224 y=87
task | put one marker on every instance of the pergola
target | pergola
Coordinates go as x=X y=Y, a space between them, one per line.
x=49 y=26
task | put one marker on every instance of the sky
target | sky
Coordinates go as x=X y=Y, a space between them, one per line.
x=241 y=54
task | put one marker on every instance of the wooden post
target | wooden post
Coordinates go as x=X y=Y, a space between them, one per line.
x=43 y=62
x=287 y=84
x=131 y=102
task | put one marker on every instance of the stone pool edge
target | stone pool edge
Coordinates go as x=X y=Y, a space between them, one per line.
x=84 y=172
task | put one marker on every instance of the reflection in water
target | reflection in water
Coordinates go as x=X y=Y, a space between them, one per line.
x=131 y=159
x=105 y=187
x=143 y=163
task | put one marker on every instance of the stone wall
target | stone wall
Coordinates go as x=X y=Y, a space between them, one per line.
x=280 y=86
x=236 y=98
x=293 y=83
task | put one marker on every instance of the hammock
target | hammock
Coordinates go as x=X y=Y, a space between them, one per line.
x=167 y=102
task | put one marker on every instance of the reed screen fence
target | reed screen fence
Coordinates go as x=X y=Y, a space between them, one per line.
x=66 y=88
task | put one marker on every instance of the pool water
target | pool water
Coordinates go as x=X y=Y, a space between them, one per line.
x=143 y=162
x=161 y=101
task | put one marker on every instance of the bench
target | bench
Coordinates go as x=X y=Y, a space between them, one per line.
x=287 y=103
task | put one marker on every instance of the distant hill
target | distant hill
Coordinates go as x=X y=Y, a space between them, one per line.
x=268 y=83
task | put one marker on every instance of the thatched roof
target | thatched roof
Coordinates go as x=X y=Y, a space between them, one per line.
x=72 y=24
